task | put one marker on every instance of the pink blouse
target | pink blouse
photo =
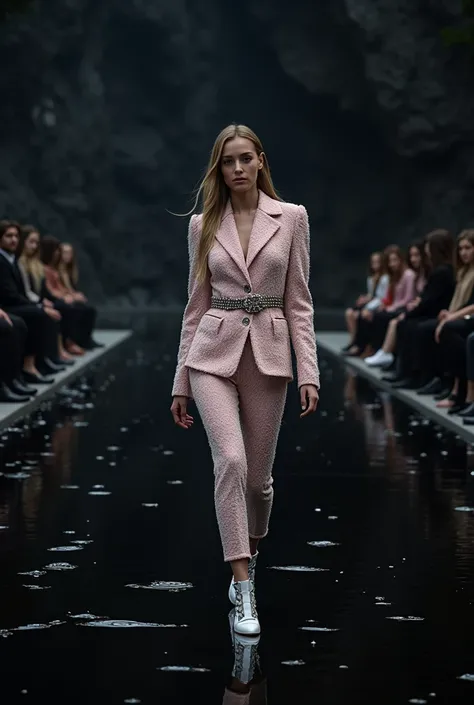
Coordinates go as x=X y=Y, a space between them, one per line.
x=404 y=291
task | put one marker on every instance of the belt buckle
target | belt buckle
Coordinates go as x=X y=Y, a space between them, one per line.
x=253 y=303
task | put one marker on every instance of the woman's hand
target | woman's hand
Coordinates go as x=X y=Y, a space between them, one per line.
x=367 y=315
x=443 y=314
x=180 y=415
x=79 y=296
x=309 y=399
x=413 y=304
x=68 y=299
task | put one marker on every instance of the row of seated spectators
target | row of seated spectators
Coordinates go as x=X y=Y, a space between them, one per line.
x=416 y=320
x=45 y=321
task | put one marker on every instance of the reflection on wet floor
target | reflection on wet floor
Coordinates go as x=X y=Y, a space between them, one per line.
x=364 y=586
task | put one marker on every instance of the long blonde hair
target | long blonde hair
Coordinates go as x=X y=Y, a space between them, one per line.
x=464 y=274
x=68 y=273
x=33 y=266
x=215 y=192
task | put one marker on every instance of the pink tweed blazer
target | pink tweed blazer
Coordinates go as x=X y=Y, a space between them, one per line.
x=212 y=340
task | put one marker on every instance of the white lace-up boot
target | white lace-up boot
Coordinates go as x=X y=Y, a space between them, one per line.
x=252 y=565
x=246 y=617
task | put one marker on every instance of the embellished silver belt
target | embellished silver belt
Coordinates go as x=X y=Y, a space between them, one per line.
x=253 y=303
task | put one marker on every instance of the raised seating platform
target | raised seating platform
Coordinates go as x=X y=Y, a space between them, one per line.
x=333 y=342
x=9 y=413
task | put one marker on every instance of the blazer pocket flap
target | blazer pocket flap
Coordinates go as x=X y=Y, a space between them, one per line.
x=211 y=322
x=279 y=324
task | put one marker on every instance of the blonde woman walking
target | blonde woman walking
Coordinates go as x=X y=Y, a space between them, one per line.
x=248 y=297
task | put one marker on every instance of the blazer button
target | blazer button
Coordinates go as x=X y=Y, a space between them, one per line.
x=245 y=321
x=247 y=288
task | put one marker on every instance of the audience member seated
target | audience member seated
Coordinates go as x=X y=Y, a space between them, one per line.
x=372 y=325
x=468 y=413
x=428 y=373
x=377 y=286
x=13 y=334
x=80 y=316
x=436 y=296
x=69 y=274
x=32 y=270
x=419 y=263
x=41 y=320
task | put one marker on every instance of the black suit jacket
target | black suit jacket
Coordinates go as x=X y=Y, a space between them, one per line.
x=437 y=294
x=12 y=290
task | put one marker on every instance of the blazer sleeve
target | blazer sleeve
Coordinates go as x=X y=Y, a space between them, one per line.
x=199 y=301
x=299 y=305
x=10 y=294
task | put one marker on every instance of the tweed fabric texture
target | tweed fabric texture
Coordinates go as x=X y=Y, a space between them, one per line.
x=242 y=417
x=277 y=264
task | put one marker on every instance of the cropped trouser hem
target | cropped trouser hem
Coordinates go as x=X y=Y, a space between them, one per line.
x=238 y=557
x=261 y=536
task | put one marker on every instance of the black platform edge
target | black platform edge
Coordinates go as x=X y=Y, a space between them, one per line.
x=112 y=339
x=333 y=342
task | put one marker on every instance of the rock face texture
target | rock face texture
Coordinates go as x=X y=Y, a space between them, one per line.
x=109 y=111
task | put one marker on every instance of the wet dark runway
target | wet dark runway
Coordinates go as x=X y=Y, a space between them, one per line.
x=112 y=584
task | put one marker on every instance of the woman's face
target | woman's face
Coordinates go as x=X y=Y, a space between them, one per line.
x=394 y=262
x=415 y=258
x=66 y=254
x=240 y=164
x=376 y=263
x=466 y=252
x=31 y=244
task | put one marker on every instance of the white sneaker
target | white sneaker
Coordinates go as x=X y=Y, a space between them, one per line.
x=252 y=564
x=373 y=360
x=385 y=359
x=379 y=359
x=246 y=617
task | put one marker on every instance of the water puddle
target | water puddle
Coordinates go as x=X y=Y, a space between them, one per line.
x=174 y=482
x=60 y=566
x=467 y=677
x=407 y=619
x=163 y=585
x=299 y=662
x=100 y=493
x=31 y=627
x=66 y=548
x=464 y=509
x=323 y=544
x=149 y=504
x=34 y=573
x=37 y=587
x=299 y=568
x=129 y=624
x=17 y=475
x=69 y=487
x=82 y=542
x=184 y=669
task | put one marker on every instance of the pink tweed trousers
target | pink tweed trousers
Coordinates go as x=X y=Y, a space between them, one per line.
x=242 y=416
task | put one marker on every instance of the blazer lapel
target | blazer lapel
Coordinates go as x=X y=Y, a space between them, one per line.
x=264 y=227
x=228 y=237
